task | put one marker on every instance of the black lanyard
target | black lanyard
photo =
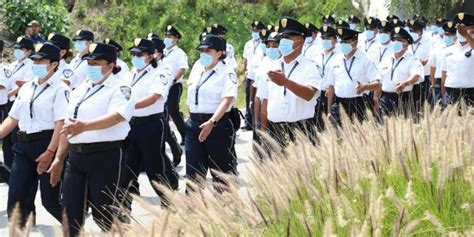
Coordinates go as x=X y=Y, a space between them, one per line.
x=348 y=70
x=326 y=63
x=198 y=86
x=33 y=97
x=18 y=68
x=382 y=54
x=415 y=49
x=370 y=45
x=84 y=98
x=169 y=52
x=138 y=79
x=306 y=49
x=394 y=67
x=289 y=74
x=79 y=64
x=255 y=47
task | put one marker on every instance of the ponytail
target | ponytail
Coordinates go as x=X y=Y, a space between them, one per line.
x=154 y=63
x=116 y=69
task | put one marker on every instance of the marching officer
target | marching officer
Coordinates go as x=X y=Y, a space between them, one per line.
x=328 y=20
x=146 y=139
x=178 y=61
x=210 y=134
x=98 y=115
x=63 y=43
x=124 y=70
x=458 y=63
x=311 y=46
x=82 y=40
x=39 y=112
x=354 y=22
x=399 y=72
x=229 y=51
x=5 y=75
x=385 y=49
x=370 y=45
x=252 y=49
x=351 y=78
x=292 y=86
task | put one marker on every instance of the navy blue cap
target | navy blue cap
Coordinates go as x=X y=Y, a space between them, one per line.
x=391 y=17
x=397 y=22
x=23 y=43
x=371 y=23
x=400 y=32
x=440 y=21
x=159 y=45
x=59 y=40
x=449 y=27
x=258 y=25
x=273 y=36
x=271 y=28
x=415 y=24
x=171 y=30
x=221 y=30
x=291 y=26
x=212 y=42
x=353 y=19
x=328 y=31
x=264 y=34
x=103 y=51
x=210 y=30
x=385 y=26
x=464 y=18
x=83 y=35
x=141 y=45
x=46 y=51
x=345 y=33
x=311 y=27
x=113 y=43
x=328 y=19
x=342 y=23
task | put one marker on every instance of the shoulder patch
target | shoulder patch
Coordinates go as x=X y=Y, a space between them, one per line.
x=126 y=91
x=163 y=79
x=7 y=73
x=233 y=77
x=67 y=73
x=66 y=94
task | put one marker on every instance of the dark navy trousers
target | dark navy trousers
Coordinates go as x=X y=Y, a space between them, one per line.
x=248 y=98
x=174 y=97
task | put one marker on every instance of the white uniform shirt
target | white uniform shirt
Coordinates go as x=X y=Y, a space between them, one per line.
x=111 y=96
x=149 y=81
x=21 y=71
x=324 y=62
x=79 y=67
x=261 y=72
x=384 y=51
x=458 y=67
x=436 y=59
x=50 y=101
x=363 y=70
x=5 y=75
x=230 y=56
x=402 y=69
x=421 y=50
x=65 y=71
x=372 y=49
x=312 y=50
x=177 y=59
x=221 y=82
x=124 y=68
x=286 y=106
x=252 y=48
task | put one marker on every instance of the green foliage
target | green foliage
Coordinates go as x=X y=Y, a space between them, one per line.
x=17 y=14
x=430 y=9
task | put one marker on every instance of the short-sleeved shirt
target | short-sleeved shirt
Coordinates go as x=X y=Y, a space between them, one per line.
x=149 y=81
x=124 y=70
x=344 y=78
x=5 y=75
x=38 y=107
x=436 y=59
x=207 y=89
x=324 y=62
x=421 y=50
x=312 y=50
x=261 y=71
x=98 y=100
x=230 y=56
x=177 y=59
x=21 y=71
x=459 y=68
x=385 y=50
x=283 y=105
x=65 y=71
x=79 y=66
x=372 y=49
x=252 y=49
x=395 y=70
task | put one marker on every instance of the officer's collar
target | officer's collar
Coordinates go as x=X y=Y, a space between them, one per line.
x=25 y=61
x=298 y=59
x=172 y=48
x=403 y=56
x=219 y=67
x=146 y=69
x=51 y=81
x=111 y=81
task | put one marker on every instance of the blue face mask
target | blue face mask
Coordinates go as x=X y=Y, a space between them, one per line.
x=384 y=37
x=80 y=46
x=327 y=44
x=19 y=54
x=448 y=40
x=273 y=53
x=286 y=47
x=346 y=48
x=440 y=31
x=205 y=59
x=263 y=47
x=352 y=26
x=39 y=70
x=415 y=36
x=397 y=46
x=308 y=39
x=168 y=42
x=369 y=34
x=94 y=74
x=138 y=62
x=460 y=37
x=255 y=35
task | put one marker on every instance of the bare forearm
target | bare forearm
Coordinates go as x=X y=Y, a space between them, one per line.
x=222 y=109
x=263 y=114
x=373 y=86
x=7 y=126
x=54 y=143
x=147 y=101
x=330 y=95
x=13 y=92
x=103 y=122
x=302 y=91
x=412 y=80
x=179 y=74
x=63 y=148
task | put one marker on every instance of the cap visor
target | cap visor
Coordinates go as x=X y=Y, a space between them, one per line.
x=91 y=56
x=38 y=56
x=203 y=46
x=17 y=46
x=136 y=50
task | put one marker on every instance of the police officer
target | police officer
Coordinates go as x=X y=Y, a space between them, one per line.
x=328 y=20
x=5 y=75
x=324 y=62
x=146 y=139
x=292 y=86
x=35 y=35
x=354 y=22
x=229 y=51
x=399 y=72
x=178 y=61
x=82 y=40
x=351 y=78
x=449 y=38
x=39 y=111
x=210 y=134
x=98 y=116
x=370 y=44
x=458 y=63
x=63 y=43
x=163 y=65
x=311 y=46
x=385 y=49
x=252 y=49
x=124 y=70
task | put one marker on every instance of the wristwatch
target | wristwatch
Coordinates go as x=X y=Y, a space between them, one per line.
x=214 y=122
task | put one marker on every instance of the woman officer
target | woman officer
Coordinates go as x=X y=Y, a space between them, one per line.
x=212 y=89
x=146 y=149
x=39 y=111
x=98 y=112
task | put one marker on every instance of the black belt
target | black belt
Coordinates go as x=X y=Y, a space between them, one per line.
x=394 y=94
x=350 y=100
x=22 y=136
x=87 y=148
x=146 y=119
x=206 y=117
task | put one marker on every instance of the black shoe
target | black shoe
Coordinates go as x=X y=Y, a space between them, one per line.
x=177 y=156
x=4 y=173
x=182 y=143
